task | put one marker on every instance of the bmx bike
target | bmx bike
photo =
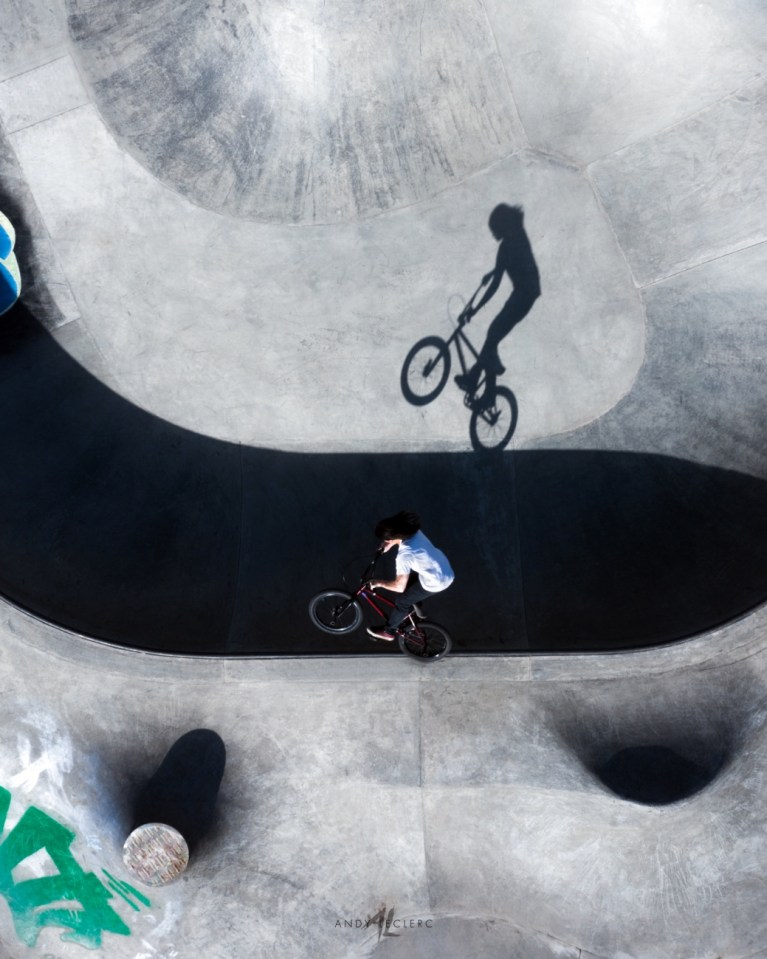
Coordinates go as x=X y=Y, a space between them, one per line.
x=426 y=369
x=337 y=611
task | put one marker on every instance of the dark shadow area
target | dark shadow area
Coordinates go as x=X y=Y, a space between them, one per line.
x=659 y=737
x=182 y=792
x=118 y=524
x=635 y=545
x=653 y=775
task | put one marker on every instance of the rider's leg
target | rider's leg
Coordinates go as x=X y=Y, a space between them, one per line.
x=487 y=399
x=414 y=593
x=487 y=361
x=515 y=309
x=501 y=326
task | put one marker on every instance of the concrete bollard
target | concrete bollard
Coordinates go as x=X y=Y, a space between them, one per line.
x=175 y=808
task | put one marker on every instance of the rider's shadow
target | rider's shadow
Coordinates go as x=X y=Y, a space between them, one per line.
x=426 y=368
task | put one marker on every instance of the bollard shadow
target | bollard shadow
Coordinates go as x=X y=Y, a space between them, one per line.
x=183 y=790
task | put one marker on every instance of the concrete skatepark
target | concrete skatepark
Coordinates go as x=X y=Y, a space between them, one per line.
x=233 y=222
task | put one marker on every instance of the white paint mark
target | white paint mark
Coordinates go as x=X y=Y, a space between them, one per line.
x=27 y=778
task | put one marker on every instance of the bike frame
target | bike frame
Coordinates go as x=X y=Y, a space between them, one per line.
x=427 y=367
x=417 y=637
x=461 y=340
x=370 y=597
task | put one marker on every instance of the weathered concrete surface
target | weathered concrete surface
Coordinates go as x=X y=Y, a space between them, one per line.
x=171 y=369
x=594 y=77
x=463 y=795
x=292 y=338
x=303 y=113
x=295 y=348
x=701 y=188
x=32 y=34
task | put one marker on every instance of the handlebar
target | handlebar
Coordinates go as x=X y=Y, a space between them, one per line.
x=462 y=317
x=366 y=576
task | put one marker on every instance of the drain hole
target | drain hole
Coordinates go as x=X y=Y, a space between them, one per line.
x=653 y=775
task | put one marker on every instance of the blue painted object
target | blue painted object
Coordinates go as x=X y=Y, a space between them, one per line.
x=10 y=277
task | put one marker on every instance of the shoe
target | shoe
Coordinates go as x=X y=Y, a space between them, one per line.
x=383 y=632
x=466 y=382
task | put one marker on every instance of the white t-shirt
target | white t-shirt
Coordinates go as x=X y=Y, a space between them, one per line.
x=419 y=555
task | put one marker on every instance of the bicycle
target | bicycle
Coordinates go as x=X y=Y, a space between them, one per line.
x=425 y=371
x=336 y=611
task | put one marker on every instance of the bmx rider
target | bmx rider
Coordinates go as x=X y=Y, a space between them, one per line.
x=515 y=258
x=421 y=569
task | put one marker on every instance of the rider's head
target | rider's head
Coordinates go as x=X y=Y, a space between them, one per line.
x=402 y=526
x=505 y=220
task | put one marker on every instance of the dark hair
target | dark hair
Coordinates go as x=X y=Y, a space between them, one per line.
x=402 y=526
x=506 y=220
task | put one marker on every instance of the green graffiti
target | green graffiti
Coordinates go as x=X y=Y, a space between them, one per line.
x=29 y=898
x=128 y=892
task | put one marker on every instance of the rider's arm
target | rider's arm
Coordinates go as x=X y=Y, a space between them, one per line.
x=495 y=278
x=396 y=585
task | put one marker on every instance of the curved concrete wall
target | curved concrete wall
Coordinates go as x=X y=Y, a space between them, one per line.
x=463 y=795
x=128 y=528
x=170 y=369
x=638 y=459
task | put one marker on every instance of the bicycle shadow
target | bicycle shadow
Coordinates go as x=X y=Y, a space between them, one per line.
x=494 y=409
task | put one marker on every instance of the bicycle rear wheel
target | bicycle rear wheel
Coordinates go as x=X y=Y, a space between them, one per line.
x=334 y=611
x=492 y=427
x=426 y=642
x=425 y=370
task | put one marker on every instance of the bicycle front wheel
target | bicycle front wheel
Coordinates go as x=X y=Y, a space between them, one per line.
x=425 y=371
x=492 y=426
x=334 y=611
x=426 y=642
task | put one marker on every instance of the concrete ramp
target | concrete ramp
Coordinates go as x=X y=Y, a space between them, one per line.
x=252 y=217
x=469 y=798
x=125 y=527
x=233 y=222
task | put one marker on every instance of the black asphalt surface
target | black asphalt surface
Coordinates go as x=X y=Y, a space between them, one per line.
x=124 y=527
